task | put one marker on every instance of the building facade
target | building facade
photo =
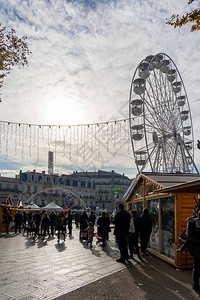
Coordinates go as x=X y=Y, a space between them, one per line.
x=91 y=189
x=109 y=187
x=10 y=186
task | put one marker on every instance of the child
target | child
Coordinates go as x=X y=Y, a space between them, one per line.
x=90 y=231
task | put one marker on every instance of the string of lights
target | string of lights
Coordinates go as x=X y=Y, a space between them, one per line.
x=81 y=141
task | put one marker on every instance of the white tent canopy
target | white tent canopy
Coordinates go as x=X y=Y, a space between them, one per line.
x=52 y=206
x=32 y=206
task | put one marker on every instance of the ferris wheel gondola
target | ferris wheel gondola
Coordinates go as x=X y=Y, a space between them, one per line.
x=160 y=119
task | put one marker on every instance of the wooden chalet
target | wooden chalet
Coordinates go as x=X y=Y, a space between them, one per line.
x=170 y=199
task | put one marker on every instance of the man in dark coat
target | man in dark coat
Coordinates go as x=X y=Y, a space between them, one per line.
x=146 y=228
x=7 y=219
x=122 y=223
x=83 y=222
x=18 y=221
x=92 y=218
x=103 y=224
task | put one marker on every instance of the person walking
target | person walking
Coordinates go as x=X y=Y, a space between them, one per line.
x=122 y=224
x=103 y=224
x=37 y=220
x=83 y=222
x=193 y=233
x=18 y=221
x=146 y=228
x=134 y=232
x=90 y=232
x=53 y=221
x=92 y=218
x=7 y=219
x=61 y=226
x=69 y=222
x=45 y=225
x=77 y=218
x=109 y=228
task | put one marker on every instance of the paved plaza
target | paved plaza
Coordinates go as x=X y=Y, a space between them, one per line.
x=36 y=269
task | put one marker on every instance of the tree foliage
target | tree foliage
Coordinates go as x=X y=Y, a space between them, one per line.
x=189 y=17
x=13 y=51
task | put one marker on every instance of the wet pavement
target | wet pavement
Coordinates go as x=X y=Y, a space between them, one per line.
x=37 y=269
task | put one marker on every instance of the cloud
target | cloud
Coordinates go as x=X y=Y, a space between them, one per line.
x=84 y=55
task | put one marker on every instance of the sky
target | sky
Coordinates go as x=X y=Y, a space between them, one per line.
x=83 y=57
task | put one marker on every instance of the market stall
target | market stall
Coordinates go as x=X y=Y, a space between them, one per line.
x=169 y=207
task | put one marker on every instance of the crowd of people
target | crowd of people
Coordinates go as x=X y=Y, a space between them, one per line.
x=128 y=227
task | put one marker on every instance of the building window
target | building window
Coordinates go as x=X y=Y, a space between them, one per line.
x=29 y=178
x=44 y=179
x=67 y=182
x=75 y=183
x=28 y=189
x=15 y=187
x=43 y=202
x=89 y=185
x=8 y=186
x=35 y=189
x=35 y=179
x=82 y=183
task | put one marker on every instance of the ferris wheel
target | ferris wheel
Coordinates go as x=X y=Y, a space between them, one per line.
x=160 y=118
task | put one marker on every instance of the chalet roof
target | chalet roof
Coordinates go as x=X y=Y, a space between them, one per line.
x=3 y=198
x=187 y=187
x=170 y=179
x=163 y=180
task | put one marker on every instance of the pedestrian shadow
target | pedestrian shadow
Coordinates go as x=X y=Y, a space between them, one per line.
x=7 y=235
x=95 y=252
x=71 y=237
x=155 y=276
x=60 y=246
x=41 y=243
x=30 y=242
x=111 y=250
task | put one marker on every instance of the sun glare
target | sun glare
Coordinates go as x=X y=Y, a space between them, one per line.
x=62 y=111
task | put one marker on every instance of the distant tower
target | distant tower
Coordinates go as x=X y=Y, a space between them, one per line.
x=50 y=162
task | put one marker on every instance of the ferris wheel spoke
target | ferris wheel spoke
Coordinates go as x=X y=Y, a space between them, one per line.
x=155 y=115
x=165 y=99
x=152 y=126
x=160 y=111
x=161 y=96
x=155 y=96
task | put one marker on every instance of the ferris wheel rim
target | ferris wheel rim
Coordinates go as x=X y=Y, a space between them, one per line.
x=181 y=83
